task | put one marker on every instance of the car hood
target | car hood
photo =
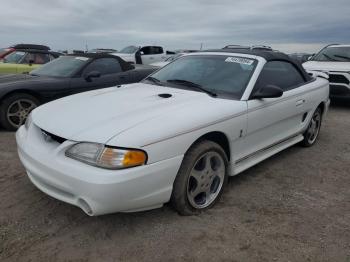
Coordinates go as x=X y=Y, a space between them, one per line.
x=327 y=66
x=100 y=115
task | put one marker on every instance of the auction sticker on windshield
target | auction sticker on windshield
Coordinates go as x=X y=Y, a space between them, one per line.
x=239 y=60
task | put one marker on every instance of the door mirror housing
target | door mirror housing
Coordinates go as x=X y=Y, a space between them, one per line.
x=268 y=91
x=92 y=74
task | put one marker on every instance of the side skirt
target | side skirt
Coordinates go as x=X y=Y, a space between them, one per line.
x=252 y=159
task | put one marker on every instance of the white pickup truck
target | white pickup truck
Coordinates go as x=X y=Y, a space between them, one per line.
x=144 y=54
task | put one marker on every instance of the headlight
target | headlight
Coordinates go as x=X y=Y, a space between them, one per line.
x=28 y=121
x=105 y=156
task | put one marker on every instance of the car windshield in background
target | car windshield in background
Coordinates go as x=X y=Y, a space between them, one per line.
x=221 y=75
x=63 y=66
x=14 y=57
x=129 y=50
x=335 y=54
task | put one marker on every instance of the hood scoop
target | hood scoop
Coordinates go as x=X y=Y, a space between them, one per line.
x=165 y=95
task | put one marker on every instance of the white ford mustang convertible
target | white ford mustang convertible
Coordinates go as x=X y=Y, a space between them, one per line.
x=176 y=136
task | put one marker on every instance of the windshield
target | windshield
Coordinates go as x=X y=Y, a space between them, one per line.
x=63 y=66
x=129 y=50
x=333 y=54
x=219 y=74
x=14 y=57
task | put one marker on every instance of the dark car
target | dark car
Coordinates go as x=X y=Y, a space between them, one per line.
x=66 y=75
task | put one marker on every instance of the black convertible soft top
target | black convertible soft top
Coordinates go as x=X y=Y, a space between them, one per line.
x=268 y=55
x=125 y=65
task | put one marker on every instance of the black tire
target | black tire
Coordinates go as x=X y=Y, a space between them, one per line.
x=28 y=102
x=179 y=198
x=308 y=139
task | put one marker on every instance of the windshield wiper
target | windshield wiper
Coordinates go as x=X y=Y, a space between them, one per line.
x=344 y=57
x=154 y=80
x=331 y=58
x=193 y=85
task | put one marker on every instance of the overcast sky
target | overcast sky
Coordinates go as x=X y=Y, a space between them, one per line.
x=288 y=25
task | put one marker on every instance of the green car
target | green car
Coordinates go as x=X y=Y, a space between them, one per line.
x=24 y=61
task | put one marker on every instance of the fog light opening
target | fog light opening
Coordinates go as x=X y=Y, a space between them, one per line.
x=85 y=206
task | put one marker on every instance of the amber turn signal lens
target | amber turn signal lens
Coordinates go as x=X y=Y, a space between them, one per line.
x=134 y=158
x=120 y=158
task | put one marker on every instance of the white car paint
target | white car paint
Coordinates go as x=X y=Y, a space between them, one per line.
x=134 y=116
x=327 y=66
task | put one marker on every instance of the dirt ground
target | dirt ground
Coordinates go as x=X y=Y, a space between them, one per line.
x=294 y=206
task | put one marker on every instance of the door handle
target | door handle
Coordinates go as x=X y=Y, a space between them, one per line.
x=300 y=102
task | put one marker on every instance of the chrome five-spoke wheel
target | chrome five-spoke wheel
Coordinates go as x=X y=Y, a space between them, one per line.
x=201 y=178
x=15 y=108
x=205 y=180
x=313 y=129
x=18 y=111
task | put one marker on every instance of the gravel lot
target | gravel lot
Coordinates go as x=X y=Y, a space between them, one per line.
x=292 y=207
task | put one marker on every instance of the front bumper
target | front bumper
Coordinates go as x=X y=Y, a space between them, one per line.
x=95 y=190
x=339 y=91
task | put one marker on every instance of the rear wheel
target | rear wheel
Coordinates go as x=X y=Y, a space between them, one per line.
x=313 y=130
x=201 y=178
x=14 y=110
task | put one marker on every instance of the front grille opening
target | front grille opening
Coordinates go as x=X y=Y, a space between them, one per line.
x=50 y=136
x=333 y=78
x=338 y=89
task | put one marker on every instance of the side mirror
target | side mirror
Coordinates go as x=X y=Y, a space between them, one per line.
x=269 y=91
x=92 y=74
x=31 y=62
x=142 y=53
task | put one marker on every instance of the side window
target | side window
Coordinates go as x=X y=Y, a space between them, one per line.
x=105 y=66
x=157 y=50
x=36 y=58
x=152 y=50
x=41 y=58
x=146 y=50
x=29 y=57
x=281 y=74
